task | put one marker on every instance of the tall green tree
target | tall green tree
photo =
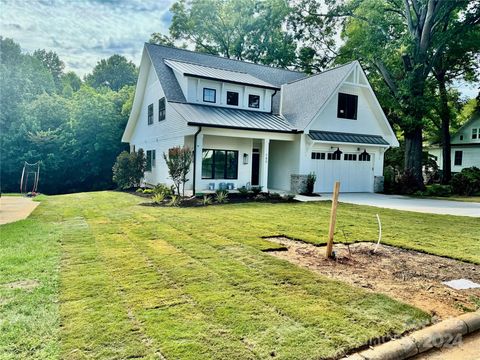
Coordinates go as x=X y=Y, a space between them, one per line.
x=238 y=29
x=401 y=41
x=52 y=62
x=114 y=73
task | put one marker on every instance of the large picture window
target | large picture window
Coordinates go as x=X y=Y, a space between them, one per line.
x=209 y=95
x=219 y=164
x=161 y=109
x=347 y=106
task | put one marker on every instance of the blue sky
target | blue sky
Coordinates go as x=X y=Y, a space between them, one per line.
x=82 y=32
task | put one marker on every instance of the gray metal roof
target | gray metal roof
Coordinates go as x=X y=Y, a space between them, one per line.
x=214 y=116
x=159 y=53
x=304 y=98
x=347 y=137
x=208 y=72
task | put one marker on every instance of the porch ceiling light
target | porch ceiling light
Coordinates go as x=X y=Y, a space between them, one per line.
x=245 y=158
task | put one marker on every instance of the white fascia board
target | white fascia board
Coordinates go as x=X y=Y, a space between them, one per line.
x=349 y=143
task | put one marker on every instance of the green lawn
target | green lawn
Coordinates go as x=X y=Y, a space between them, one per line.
x=119 y=280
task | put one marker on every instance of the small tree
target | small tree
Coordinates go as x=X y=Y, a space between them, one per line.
x=129 y=168
x=178 y=162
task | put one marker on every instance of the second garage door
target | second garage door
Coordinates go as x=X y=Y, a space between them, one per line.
x=353 y=170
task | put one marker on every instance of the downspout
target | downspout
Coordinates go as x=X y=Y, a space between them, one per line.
x=195 y=158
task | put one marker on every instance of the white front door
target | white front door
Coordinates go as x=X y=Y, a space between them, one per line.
x=354 y=174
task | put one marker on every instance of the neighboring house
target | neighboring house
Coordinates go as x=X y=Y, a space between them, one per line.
x=252 y=124
x=465 y=144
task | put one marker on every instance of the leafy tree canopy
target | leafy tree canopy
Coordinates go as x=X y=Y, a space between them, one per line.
x=114 y=72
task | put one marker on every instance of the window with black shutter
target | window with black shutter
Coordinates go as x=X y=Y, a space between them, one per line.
x=347 y=106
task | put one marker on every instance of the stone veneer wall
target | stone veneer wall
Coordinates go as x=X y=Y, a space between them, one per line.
x=378 y=184
x=298 y=183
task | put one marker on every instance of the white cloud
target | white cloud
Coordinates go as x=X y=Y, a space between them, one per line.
x=82 y=32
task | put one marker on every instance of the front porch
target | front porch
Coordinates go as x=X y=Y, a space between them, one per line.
x=231 y=159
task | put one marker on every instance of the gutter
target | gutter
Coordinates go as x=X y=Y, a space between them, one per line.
x=195 y=157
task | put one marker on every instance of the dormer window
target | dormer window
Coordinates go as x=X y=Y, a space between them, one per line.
x=254 y=101
x=209 y=95
x=232 y=98
x=347 y=106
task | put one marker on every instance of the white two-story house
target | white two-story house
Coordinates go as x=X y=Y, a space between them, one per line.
x=255 y=125
x=465 y=146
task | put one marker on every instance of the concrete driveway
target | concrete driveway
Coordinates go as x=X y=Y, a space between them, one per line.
x=14 y=208
x=398 y=202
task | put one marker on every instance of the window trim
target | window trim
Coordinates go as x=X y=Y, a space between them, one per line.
x=344 y=115
x=254 y=107
x=460 y=158
x=162 y=111
x=150 y=114
x=214 y=95
x=236 y=152
x=150 y=164
x=238 y=97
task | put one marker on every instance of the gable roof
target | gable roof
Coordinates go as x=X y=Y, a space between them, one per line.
x=208 y=72
x=220 y=117
x=303 y=99
x=475 y=117
x=159 y=53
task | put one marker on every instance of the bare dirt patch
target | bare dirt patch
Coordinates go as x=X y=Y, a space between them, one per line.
x=22 y=284
x=409 y=276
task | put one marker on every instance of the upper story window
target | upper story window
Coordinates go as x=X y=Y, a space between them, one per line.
x=209 y=95
x=475 y=134
x=161 y=109
x=254 y=101
x=347 y=106
x=150 y=114
x=232 y=98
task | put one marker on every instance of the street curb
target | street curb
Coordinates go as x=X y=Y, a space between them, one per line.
x=435 y=336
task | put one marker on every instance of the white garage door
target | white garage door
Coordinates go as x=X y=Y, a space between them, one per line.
x=353 y=170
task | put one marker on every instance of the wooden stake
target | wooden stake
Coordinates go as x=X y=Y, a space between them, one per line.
x=333 y=219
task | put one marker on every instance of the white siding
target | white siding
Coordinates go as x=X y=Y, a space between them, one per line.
x=161 y=135
x=470 y=157
x=194 y=94
x=368 y=121
x=283 y=162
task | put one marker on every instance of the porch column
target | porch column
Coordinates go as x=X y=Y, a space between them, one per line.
x=264 y=169
x=198 y=161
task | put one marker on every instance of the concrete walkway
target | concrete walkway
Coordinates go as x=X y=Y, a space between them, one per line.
x=398 y=202
x=14 y=208
x=467 y=349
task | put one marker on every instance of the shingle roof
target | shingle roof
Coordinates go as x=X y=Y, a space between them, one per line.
x=214 y=116
x=347 y=137
x=302 y=99
x=209 y=72
x=159 y=53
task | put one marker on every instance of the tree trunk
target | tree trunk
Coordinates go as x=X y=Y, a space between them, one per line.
x=445 y=130
x=414 y=156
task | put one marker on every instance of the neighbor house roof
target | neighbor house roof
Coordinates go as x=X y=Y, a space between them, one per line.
x=214 y=116
x=303 y=99
x=208 y=72
x=159 y=53
x=347 y=137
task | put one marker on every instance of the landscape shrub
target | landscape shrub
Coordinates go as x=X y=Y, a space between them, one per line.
x=256 y=190
x=129 y=168
x=158 y=198
x=406 y=183
x=274 y=196
x=243 y=191
x=178 y=162
x=467 y=181
x=221 y=196
x=148 y=191
x=207 y=200
x=163 y=189
x=438 y=190
x=288 y=197
x=311 y=178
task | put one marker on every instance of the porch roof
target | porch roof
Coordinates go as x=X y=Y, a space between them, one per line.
x=347 y=137
x=214 y=116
